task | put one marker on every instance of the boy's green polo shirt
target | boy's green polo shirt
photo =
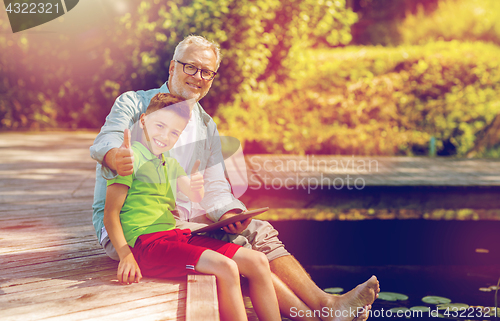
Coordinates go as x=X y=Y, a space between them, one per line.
x=151 y=195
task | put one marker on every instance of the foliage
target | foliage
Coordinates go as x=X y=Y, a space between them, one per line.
x=373 y=101
x=55 y=78
x=395 y=22
x=379 y=20
x=464 y=20
x=70 y=79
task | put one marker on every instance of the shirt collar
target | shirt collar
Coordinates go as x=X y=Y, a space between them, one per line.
x=145 y=152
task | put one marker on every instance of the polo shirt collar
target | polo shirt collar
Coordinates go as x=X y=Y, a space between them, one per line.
x=145 y=152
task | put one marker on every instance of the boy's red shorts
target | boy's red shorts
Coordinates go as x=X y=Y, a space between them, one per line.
x=174 y=253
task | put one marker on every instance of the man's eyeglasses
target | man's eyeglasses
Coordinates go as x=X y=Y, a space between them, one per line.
x=192 y=70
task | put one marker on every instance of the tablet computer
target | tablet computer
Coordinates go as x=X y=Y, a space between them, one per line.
x=240 y=217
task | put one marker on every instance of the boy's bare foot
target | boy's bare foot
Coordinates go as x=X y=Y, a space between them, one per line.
x=345 y=307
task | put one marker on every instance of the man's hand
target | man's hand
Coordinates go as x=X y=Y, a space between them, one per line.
x=128 y=270
x=121 y=159
x=237 y=227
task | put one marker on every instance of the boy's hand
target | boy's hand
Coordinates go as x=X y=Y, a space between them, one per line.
x=128 y=270
x=197 y=181
x=124 y=157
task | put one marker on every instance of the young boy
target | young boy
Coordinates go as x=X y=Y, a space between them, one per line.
x=138 y=218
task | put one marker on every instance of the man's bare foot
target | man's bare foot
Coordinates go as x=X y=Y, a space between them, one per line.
x=346 y=307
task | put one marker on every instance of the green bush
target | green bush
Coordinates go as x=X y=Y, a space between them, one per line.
x=70 y=79
x=373 y=101
x=464 y=20
x=378 y=21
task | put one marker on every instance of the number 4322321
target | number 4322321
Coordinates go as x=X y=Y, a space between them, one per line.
x=32 y=7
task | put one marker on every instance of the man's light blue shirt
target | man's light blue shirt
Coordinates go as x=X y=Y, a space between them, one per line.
x=124 y=114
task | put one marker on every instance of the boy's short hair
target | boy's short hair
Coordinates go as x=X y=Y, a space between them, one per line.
x=173 y=102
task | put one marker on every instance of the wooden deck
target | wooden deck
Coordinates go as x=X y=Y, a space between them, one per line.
x=348 y=182
x=371 y=171
x=51 y=266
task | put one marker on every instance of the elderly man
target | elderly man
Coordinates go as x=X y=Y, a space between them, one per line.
x=191 y=73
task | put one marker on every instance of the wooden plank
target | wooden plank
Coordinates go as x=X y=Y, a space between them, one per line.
x=98 y=300
x=40 y=211
x=201 y=301
x=46 y=289
x=169 y=310
x=44 y=243
x=23 y=280
x=10 y=261
x=268 y=171
x=49 y=268
x=77 y=202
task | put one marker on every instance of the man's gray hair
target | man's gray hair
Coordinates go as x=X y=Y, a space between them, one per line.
x=200 y=42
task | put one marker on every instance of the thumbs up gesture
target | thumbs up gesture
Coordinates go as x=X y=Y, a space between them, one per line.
x=124 y=157
x=196 y=185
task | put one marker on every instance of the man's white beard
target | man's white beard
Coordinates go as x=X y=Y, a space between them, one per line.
x=184 y=92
